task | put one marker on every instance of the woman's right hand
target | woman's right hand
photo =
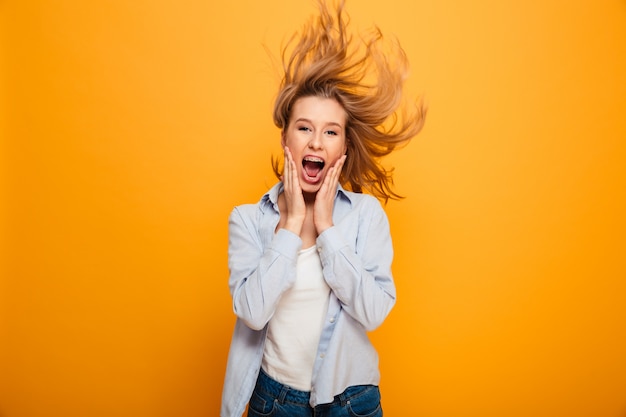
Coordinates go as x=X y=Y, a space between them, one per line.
x=296 y=208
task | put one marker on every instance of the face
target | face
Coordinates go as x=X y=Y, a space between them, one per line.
x=316 y=137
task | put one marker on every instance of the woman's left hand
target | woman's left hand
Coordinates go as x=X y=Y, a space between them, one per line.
x=325 y=198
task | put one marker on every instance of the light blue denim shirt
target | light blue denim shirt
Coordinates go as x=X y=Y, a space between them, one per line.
x=356 y=255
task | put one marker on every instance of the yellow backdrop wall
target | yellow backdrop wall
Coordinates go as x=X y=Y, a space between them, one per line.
x=131 y=128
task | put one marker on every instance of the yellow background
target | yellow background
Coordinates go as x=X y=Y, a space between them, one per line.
x=131 y=128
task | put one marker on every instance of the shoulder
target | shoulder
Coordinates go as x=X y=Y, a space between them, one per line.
x=266 y=203
x=253 y=213
x=363 y=202
x=243 y=212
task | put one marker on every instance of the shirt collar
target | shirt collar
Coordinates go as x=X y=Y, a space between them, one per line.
x=270 y=198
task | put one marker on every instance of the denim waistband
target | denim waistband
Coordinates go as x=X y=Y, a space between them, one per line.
x=283 y=393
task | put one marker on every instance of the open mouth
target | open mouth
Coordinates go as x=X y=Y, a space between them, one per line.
x=312 y=166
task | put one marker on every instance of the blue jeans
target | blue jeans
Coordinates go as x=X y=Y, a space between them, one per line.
x=271 y=398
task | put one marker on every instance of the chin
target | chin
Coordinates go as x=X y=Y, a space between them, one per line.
x=309 y=188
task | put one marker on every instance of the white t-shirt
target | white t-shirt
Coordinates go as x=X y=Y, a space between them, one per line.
x=294 y=330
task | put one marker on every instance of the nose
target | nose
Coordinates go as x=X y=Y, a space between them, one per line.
x=316 y=141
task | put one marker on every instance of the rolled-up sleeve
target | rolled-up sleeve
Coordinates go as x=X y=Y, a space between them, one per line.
x=258 y=277
x=359 y=271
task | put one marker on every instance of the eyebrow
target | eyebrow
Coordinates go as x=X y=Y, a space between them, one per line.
x=302 y=119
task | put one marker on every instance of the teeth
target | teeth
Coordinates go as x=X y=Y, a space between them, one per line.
x=314 y=159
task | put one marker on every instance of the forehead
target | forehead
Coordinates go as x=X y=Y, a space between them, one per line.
x=319 y=110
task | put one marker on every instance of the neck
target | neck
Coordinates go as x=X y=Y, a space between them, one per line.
x=309 y=198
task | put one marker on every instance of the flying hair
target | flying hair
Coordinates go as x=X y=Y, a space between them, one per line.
x=366 y=77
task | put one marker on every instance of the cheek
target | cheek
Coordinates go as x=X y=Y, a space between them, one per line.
x=343 y=148
x=282 y=139
x=290 y=139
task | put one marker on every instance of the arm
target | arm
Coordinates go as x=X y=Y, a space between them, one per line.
x=258 y=276
x=361 y=278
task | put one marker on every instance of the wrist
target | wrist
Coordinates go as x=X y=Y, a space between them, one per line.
x=294 y=225
x=320 y=228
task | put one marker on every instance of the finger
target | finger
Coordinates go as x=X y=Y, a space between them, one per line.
x=291 y=173
x=287 y=168
x=328 y=179
x=294 y=172
x=342 y=160
x=289 y=164
x=335 y=172
x=339 y=168
x=339 y=164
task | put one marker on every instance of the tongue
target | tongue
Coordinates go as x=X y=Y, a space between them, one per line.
x=312 y=168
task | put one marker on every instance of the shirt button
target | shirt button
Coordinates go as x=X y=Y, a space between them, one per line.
x=322 y=355
x=319 y=249
x=332 y=319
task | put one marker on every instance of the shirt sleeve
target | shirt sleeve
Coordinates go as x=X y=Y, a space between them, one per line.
x=360 y=275
x=258 y=276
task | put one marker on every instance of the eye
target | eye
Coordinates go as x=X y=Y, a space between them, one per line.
x=331 y=132
x=303 y=129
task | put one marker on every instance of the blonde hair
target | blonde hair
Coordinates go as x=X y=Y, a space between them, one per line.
x=366 y=80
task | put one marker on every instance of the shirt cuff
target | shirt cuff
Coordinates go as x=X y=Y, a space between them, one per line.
x=329 y=242
x=287 y=243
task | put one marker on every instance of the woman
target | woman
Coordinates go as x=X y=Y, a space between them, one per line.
x=310 y=263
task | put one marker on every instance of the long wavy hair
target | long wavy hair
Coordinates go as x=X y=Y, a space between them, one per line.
x=366 y=78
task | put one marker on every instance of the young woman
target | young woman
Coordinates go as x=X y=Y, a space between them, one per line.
x=310 y=263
